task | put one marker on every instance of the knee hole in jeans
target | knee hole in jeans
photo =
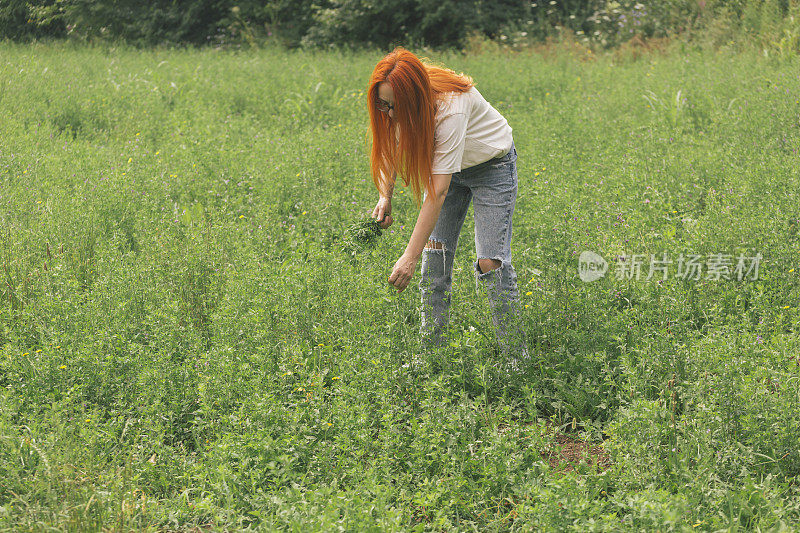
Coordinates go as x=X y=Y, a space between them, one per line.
x=486 y=265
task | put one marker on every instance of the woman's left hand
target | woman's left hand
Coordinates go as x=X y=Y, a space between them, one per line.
x=402 y=272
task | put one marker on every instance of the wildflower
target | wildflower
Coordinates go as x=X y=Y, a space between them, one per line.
x=26 y=353
x=241 y=216
x=786 y=307
x=792 y=270
x=62 y=367
x=336 y=377
x=528 y=293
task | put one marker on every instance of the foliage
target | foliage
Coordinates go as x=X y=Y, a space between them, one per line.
x=430 y=23
x=135 y=22
x=183 y=344
x=361 y=235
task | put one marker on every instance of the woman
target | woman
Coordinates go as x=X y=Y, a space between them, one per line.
x=433 y=128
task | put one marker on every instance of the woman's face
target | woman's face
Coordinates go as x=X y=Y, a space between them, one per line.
x=386 y=95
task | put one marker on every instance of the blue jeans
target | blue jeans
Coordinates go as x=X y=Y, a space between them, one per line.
x=492 y=188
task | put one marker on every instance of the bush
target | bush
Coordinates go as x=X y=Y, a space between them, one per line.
x=436 y=23
x=362 y=22
x=286 y=21
x=383 y=23
x=162 y=21
x=17 y=21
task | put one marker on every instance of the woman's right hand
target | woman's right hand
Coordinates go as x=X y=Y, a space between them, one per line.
x=383 y=212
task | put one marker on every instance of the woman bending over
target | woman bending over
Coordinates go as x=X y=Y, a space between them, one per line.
x=433 y=128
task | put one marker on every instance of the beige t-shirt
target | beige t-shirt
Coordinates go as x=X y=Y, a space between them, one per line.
x=468 y=131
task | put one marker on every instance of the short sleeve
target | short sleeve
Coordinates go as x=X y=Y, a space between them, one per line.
x=448 y=149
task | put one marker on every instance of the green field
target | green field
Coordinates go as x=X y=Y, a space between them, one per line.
x=189 y=341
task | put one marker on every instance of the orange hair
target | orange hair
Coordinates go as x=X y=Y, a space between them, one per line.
x=417 y=86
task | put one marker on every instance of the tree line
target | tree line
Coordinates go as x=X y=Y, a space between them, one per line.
x=432 y=23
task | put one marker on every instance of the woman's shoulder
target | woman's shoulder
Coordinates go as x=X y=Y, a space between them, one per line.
x=454 y=102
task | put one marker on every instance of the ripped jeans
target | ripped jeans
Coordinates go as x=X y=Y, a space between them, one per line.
x=492 y=188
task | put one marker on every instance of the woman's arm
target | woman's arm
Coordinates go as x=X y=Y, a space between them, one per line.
x=404 y=268
x=383 y=209
x=390 y=187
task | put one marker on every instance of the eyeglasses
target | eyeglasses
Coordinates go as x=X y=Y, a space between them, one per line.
x=383 y=105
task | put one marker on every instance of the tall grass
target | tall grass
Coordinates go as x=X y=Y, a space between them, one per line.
x=185 y=342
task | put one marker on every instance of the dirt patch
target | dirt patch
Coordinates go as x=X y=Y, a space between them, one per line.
x=567 y=452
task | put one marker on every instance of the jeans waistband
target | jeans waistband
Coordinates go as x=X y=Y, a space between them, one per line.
x=493 y=161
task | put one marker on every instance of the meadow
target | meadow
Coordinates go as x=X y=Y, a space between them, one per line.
x=186 y=342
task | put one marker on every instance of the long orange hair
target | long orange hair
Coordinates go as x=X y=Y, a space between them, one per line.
x=417 y=86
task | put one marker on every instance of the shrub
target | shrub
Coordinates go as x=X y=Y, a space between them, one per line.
x=17 y=20
x=138 y=23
